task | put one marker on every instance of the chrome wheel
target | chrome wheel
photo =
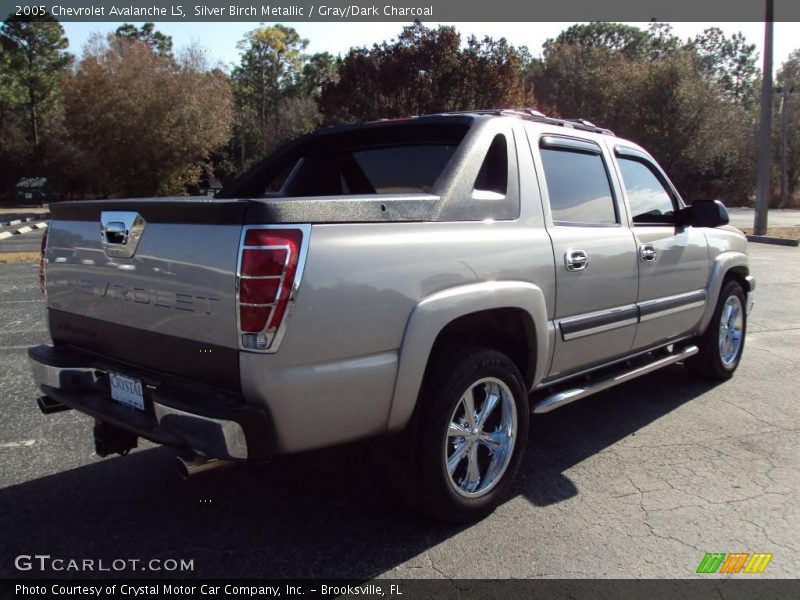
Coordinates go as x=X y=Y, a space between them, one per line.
x=731 y=329
x=480 y=437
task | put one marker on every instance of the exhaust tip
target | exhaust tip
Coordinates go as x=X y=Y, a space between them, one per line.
x=182 y=466
x=193 y=465
x=48 y=406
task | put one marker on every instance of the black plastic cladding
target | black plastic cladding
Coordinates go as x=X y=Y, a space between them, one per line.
x=451 y=198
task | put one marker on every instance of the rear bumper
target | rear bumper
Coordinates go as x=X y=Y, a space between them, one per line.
x=210 y=422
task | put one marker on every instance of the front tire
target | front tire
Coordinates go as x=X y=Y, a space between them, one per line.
x=722 y=343
x=472 y=434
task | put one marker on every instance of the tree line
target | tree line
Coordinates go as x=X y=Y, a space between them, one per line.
x=131 y=116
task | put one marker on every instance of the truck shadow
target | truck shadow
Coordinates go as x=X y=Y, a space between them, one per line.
x=326 y=514
x=563 y=438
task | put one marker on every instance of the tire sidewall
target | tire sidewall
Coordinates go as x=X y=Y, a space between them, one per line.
x=443 y=399
x=730 y=289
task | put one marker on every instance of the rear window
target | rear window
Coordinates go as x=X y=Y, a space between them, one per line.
x=382 y=159
x=402 y=169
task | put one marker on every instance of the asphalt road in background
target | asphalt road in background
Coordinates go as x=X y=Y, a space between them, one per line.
x=639 y=481
x=743 y=217
x=26 y=242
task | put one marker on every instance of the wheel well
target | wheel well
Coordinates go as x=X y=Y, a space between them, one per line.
x=737 y=274
x=507 y=330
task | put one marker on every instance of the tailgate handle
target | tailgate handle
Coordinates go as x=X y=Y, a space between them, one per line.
x=120 y=232
x=116 y=233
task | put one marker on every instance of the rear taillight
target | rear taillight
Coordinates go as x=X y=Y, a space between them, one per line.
x=42 y=262
x=269 y=266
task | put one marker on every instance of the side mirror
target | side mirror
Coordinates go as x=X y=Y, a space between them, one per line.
x=704 y=213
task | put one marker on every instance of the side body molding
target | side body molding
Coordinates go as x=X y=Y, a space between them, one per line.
x=724 y=262
x=433 y=313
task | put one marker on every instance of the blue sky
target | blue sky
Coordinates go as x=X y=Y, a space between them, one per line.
x=219 y=39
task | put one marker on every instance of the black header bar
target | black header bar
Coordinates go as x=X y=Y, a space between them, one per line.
x=400 y=10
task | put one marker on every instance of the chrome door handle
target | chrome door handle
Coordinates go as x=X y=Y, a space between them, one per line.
x=647 y=252
x=576 y=260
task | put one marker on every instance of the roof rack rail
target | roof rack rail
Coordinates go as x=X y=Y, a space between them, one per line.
x=531 y=114
x=524 y=112
x=521 y=112
x=581 y=124
x=581 y=121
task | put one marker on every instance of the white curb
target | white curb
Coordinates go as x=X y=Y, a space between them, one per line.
x=22 y=230
x=22 y=220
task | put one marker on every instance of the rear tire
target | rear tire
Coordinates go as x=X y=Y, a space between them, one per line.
x=722 y=343
x=471 y=436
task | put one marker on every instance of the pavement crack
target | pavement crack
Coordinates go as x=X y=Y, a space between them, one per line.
x=776 y=355
x=427 y=556
x=646 y=520
x=744 y=410
x=767 y=536
x=775 y=330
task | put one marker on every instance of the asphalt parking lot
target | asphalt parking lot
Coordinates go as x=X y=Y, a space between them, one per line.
x=30 y=241
x=640 y=481
x=743 y=217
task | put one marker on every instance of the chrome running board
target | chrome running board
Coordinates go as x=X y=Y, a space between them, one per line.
x=558 y=399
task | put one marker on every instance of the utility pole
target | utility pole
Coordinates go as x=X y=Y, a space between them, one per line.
x=784 y=92
x=241 y=138
x=765 y=127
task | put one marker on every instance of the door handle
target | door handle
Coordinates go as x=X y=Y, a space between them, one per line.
x=647 y=253
x=576 y=260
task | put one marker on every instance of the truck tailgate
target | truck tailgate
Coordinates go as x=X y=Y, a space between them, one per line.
x=170 y=306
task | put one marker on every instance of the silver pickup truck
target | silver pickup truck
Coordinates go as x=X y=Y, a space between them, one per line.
x=429 y=282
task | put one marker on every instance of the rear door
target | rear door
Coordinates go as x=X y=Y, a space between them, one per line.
x=595 y=254
x=673 y=261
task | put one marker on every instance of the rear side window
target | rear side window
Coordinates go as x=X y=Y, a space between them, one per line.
x=378 y=158
x=578 y=187
x=492 y=180
x=649 y=200
x=400 y=169
x=275 y=185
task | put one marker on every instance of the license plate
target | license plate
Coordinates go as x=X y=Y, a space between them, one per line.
x=126 y=390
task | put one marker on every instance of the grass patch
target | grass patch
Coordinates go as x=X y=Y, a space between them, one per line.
x=787 y=233
x=10 y=258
